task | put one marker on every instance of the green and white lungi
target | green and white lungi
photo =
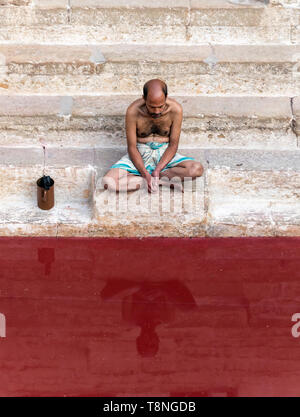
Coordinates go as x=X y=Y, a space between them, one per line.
x=151 y=153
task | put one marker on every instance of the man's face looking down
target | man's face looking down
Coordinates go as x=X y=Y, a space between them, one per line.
x=155 y=107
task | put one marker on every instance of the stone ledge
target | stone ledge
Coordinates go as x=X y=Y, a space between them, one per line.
x=116 y=105
x=264 y=199
x=167 y=26
x=26 y=229
x=169 y=211
x=226 y=14
x=129 y=4
x=187 y=53
x=102 y=157
x=14 y=2
x=18 y=192
x=223 y=202
x=194 y=4
x=285 y=3
x=229 y=69
x=182 y=78
x=50 y=4
x=254 y=159
x=196 y=134
x=199 y=4
x=98 y=54
x=112 y=126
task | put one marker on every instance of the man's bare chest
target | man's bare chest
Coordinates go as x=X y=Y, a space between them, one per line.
x=158 y=127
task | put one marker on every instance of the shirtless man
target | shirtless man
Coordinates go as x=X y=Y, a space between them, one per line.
x=153 y=127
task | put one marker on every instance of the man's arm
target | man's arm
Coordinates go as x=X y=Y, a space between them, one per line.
x=133 y=152
x=174 y=141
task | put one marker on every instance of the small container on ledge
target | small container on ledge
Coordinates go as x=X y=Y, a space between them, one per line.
x=45 y=192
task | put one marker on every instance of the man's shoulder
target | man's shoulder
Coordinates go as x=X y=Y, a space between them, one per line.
x=134 y=107
x=175 y=107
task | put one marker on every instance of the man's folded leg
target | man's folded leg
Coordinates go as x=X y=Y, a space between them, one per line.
x=118 y=179
x=131 y=182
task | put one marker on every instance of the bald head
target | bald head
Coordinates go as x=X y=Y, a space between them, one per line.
x=155 y=89
x=155 y=95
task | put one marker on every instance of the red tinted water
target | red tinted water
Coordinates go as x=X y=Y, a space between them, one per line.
x=169 y=317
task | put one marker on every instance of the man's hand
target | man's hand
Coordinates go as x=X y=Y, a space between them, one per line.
x=152 y=183
x=166 y=181
x=155 y=180
x=156 y=173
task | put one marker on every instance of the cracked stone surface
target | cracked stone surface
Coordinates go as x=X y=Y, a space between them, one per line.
x=166 y=213
x=224 y=202
x=18 y=194
x=248 y=199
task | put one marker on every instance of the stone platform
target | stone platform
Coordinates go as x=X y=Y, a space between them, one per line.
x=223 y=202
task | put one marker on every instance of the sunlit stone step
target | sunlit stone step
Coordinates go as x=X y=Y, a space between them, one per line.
x=176 y=21
x=83 y=146
x=223 y=202
x=91 y=121
x=122 y=68
x=253 y=202
x=73 y=191
x=88 y=105
x=138 y=213
x=246 y=22
x=102 y=157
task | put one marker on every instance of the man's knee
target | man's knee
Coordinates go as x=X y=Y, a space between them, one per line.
x=195 y=170
x=110 y=183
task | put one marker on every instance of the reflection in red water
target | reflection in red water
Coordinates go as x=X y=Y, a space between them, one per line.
x=149 y=304
x=155 y=316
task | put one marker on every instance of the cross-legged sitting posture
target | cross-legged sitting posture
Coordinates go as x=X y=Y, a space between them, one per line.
x=153 y=127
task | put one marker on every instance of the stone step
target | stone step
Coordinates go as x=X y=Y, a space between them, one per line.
x=249 y=201
x=103 y=157
x=122 y=68
x=131 y=21
x=18 y=191
x=93 y=105
x=85 y=122
x=197 y=134
x=82 y=123
x=223 y=131
x=223 y=202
